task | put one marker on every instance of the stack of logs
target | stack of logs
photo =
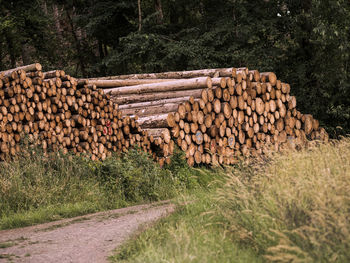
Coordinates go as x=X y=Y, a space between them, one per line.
x=213 y=115
x=60 y=113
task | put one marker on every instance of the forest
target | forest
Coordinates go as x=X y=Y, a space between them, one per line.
x=306 y=42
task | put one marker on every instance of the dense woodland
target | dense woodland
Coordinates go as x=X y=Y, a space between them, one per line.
x=306 y=42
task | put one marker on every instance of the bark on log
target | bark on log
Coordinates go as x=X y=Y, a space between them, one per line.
x=156 y=96
x=114 y=83
x=27 y=68
x=153 y=103
x=159 y=109
x=219 y=72
x=155 y=121
x=156 y=132
x=177 y=85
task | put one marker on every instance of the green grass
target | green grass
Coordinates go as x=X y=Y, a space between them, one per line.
x=37 y=188
x=7 y=244
x=195 y=232
x=289 y=207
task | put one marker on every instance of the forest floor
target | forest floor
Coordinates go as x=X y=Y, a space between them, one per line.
x=89 y=238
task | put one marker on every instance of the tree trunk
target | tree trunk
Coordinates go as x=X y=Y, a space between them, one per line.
x=183 y=84
x=102 y=83
x=100 y=50
x=31 y=67
x=10 y=49
x=25 y=53
x=56 y=16
x=159 y=109
x=153 y=103
x=156 y=96
x=219 y=72
x=157 y=121
x=159 y=10
x=77 y=43
x=140 y=14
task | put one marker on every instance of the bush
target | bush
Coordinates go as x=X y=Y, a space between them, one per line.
x=35 y=181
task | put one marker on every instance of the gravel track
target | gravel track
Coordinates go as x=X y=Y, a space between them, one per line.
x=90 y=238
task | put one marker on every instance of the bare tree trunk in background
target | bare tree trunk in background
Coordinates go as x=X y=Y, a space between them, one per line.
x=140 y=14
x=44 y=7
x=11 y=49
x=25 y=49
x=100 y=49
x=159 y=9
x=57 y=22
x=105 y=49
x=77 y=43
x=1 y=56
x=201 y=6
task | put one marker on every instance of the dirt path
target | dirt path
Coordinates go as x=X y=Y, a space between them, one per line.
x=90 y=238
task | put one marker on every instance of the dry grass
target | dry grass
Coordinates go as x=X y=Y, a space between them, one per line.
x=296 y=208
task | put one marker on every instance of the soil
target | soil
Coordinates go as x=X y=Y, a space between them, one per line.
x=90 y=238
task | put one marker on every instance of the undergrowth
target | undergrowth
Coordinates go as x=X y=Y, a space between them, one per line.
x=37 y=187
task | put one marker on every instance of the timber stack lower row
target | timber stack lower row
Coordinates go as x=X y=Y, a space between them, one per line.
x=213 y=115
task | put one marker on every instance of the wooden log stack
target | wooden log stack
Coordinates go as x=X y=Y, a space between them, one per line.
x=213 y=115
x=60 y=113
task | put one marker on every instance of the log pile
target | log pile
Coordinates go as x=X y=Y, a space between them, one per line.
x=213 y=115
x=61 y=113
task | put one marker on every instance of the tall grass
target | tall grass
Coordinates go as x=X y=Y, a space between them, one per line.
x=295 y=208
x=195 y=232
x=38 y=187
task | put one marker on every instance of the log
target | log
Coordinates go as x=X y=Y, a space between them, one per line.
x=114 y=83
x=219 y=72
x=243 y=113
x=270 y=77
x=156 y=96
x=157 y=132
x=26 y=68
x=153 y=103
x=155 y=121
x=151 y=110
x=52 y=74
x=177 y=85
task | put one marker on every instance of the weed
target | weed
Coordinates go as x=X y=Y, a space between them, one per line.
x=7 y=244
x=37 y=187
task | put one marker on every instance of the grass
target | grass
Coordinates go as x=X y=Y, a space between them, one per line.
x=7 y=244
x=7 y=256
x=193 y=233
x=56 y=226
x=289 y=207
x=296 y=208
x=37 y=187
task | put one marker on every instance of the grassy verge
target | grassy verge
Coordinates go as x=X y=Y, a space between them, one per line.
x=36 y=188
x=295 y=207
x=195 y=232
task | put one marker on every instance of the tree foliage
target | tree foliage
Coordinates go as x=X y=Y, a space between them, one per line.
x=306 y=42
